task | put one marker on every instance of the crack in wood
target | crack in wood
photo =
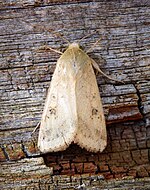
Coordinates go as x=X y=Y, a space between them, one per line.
x=5 y=152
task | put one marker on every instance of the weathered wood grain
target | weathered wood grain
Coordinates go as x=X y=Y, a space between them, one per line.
x=25 y=75
x=22 y=173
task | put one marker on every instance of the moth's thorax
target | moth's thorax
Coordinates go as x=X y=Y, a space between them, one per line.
x=73 y=60
x=73 y=45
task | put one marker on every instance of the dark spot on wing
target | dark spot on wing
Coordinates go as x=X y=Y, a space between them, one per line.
x=74 y=64
x=94 y=111
x=52 y=111
x=94 y=95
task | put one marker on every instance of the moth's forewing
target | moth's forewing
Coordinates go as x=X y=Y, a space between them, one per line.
x=59 y=119
x=91 y=133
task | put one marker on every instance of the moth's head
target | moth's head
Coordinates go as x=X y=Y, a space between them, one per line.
x=74 y=45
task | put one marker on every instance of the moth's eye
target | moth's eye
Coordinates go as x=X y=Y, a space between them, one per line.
x=81 y=47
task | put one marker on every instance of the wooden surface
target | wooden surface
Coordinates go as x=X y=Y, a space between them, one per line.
x=25 y=75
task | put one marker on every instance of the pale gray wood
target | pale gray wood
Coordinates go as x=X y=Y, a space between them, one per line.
x=25 y=73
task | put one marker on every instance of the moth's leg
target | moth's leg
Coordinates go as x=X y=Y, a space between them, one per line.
x=47 y=48
x=38 y=125
x=96 y=66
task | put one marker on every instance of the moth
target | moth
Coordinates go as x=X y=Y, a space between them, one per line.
x=73 y=109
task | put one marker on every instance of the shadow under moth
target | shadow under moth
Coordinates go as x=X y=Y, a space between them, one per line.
x=73 y=109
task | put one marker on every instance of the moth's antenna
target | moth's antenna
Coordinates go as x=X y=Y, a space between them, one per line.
x=78 y=41
x=93 y=45
x=60 y=35
x=49 y=48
